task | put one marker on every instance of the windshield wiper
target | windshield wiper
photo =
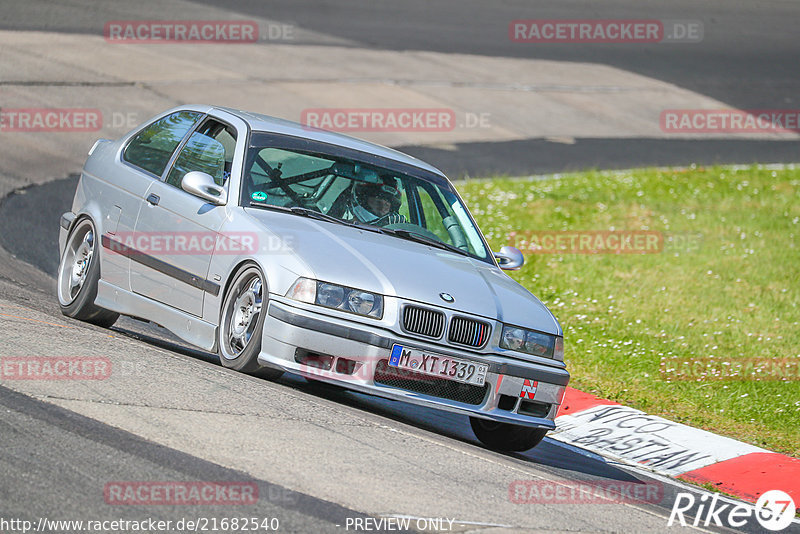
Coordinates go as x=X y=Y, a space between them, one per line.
x=298 y=210
x=268 y=206
x=419 y=238
x=306 y=212
x=330 y=218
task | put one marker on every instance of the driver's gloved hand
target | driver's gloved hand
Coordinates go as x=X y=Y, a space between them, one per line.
x=394 y=218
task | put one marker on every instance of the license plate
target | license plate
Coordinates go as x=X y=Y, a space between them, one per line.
x=438 y=365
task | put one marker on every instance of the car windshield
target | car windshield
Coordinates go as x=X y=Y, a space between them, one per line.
x=390 y=198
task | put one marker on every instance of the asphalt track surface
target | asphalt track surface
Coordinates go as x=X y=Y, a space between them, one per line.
x=37 y=486
x=53 y=459
x=747 y=60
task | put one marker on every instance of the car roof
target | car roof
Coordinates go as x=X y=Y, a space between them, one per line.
x=266 y=123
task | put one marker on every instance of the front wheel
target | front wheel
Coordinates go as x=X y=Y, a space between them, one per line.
x=505 y=436
x=78 y=274
x=242 y=321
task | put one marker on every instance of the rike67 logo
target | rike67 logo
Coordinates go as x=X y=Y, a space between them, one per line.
x=774 y=511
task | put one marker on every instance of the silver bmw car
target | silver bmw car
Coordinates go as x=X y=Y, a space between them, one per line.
x=290 y=249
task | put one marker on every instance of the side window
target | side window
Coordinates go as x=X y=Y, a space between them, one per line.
x=210 y=150
x=151 y=148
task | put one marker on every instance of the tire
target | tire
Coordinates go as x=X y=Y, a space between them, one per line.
x=78 y=273
x=241 y=323
x=505 y=436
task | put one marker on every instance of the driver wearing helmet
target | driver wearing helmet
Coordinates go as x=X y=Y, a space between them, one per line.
x=376 y=204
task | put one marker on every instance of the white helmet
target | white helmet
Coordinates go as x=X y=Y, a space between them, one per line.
x=363 y=191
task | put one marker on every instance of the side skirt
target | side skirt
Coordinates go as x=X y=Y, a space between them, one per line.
x=187 y=327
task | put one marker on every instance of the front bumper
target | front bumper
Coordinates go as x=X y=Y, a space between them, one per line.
x=354 y=355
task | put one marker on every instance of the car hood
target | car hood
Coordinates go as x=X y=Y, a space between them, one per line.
x=392 y=266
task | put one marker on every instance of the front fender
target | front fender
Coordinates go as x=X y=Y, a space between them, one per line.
x=279 y=263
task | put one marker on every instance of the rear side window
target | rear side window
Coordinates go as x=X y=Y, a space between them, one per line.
x=152 y=148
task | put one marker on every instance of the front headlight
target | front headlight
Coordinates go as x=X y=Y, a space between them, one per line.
x=337 y=297
x=530 y=342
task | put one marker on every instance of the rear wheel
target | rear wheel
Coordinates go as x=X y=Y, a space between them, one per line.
x=78 y=273
x=505 y=436
x=242 y=322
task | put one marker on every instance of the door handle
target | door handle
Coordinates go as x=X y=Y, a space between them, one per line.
x=153 y=199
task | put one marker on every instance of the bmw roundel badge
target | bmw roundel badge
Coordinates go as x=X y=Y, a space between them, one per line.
x=447 y=297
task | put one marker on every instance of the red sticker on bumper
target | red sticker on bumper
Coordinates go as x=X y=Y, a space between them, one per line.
x=528 y=389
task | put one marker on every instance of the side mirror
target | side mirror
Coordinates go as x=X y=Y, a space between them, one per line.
x=203 y=185
x=509 y=258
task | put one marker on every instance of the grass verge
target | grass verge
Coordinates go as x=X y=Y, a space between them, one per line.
x=716 y=282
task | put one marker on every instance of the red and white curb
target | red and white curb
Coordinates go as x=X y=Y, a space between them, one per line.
x=633 y=437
